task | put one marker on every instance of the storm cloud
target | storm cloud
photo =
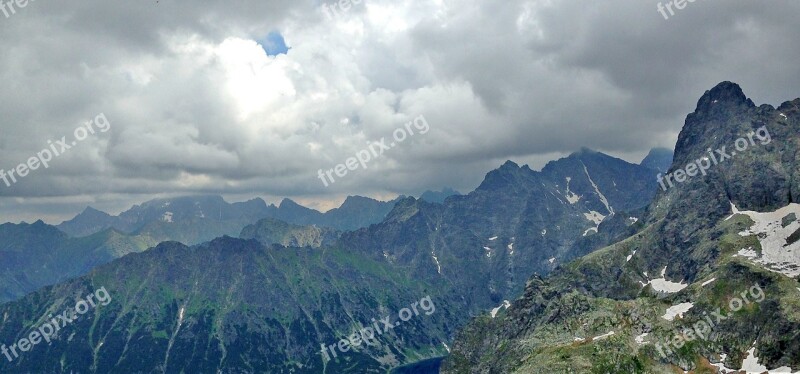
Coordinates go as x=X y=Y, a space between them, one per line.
x=252 y=98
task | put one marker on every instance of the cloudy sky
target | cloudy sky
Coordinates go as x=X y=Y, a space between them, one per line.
x=203 y=97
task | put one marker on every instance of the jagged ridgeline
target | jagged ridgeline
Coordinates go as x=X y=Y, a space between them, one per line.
x=38 y=254
x=242 y=305
x=709 y=283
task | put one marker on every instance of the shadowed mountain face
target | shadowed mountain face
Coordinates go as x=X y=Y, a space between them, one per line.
x=659 y=159
x=271 y=231
x=187 y=219
x=35 y=255
x=516 y=223
x=439 y=196
x=234 y=304
x=90 y=221
x=194 y=220
x=698 y=250
x=356 y=212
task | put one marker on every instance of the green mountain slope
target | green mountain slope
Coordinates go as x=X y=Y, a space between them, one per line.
x=261 y=309
x=37 y=255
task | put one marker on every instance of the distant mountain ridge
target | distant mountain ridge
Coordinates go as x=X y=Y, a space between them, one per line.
x=37 y=254
x=438 y=196
x=196 y=219
x=355 y=212
x=270 y=231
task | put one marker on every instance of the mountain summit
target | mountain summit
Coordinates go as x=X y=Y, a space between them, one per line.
x=658 y=159
x=727 y=234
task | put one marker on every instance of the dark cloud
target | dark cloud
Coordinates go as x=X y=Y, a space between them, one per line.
x=206 y=97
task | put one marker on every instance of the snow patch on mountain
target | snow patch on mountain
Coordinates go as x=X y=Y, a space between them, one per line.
x=571 y=196
x=664 y=285
x=777 y=252
x=505 y=305
x=677 y=311
x=604 y=336
x=597 y=190
x=167 y=217
x=750 y=365
x=436 y=259
x=594 y=217
x=706 y=283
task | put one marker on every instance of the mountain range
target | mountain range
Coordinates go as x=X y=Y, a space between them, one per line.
x=197 y=219
x=226 y=304
x=38 y=254
x=673 y=296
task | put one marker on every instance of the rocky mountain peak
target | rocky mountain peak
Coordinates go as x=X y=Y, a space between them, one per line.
x=289 y=203
x=509 y=165
x=403 y=210
x=92 y=212
x=584 y=151
x=356 y=202
x=723 y=94
x=659 y=159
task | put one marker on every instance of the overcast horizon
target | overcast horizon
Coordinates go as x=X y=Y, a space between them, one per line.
x=255 y=99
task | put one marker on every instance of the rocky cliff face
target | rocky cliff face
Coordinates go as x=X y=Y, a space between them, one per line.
x=516 y=223
x=618 y=309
